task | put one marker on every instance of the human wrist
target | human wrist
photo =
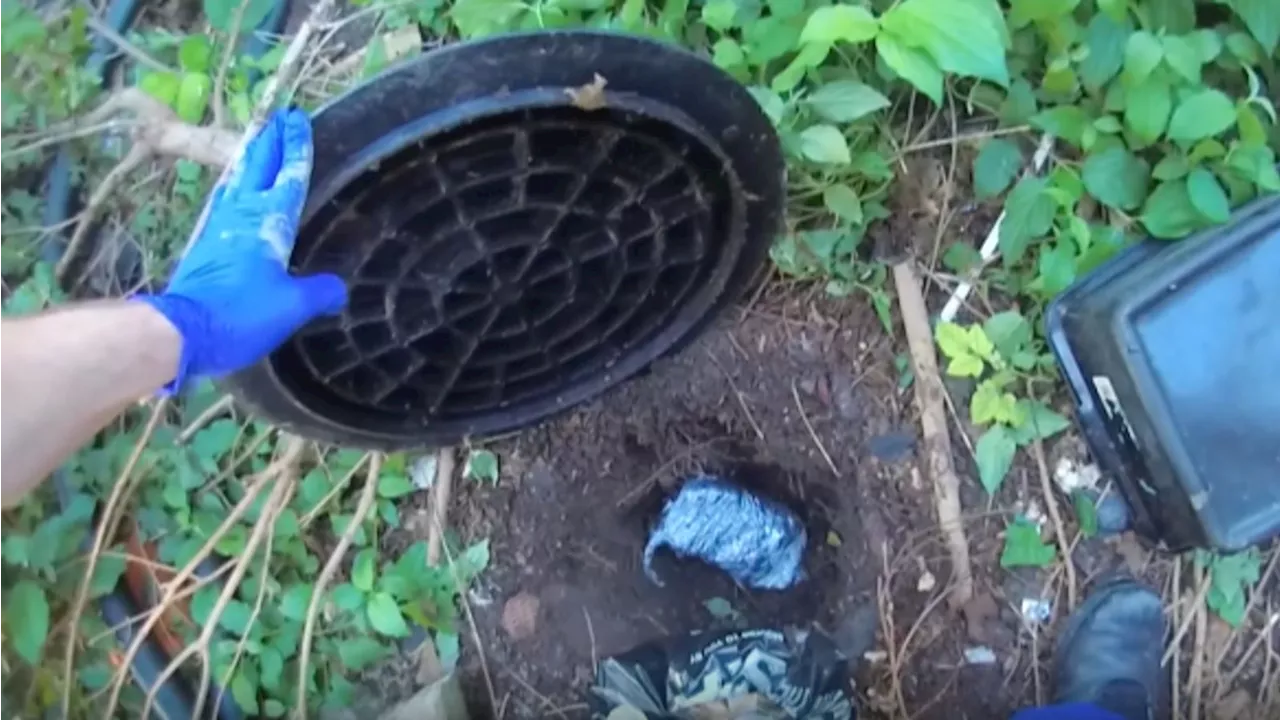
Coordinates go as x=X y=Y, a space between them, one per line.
x=178 y=323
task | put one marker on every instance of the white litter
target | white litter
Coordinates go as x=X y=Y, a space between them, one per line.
x=979 y=655
x=1036 y=610
x=422 y=471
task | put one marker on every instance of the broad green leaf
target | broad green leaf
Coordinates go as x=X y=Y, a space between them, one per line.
x=1117 y=10
x=1262 y=17
x=994 y=456
x=245 y=693
x=270 y=668
x=991 y=404
x=911 y=64
x=824 y=144
x=1029 y=212
x=719 y=14
x=962 y=36
x=1170 y=17
x=194 y=54
x=768 y=39
x=1230 y=578
x=221 y=14
x=1067 y=122
x=1169 y=213
x=995 y=166
x=961 y=258
x=347 y=597
x=1023 y=546
x=358 y=653
x=1257 y=163
x=1055 y=268
x=1183 y=57
x=1202 y=114
x=1022 y=12
x=770 y=102
x=384 y=615
x=1039 y=422
x=162 y=86
x=273 y=708
x=295 y=601
x=449 y=648
x=1142 y=55
x=809 y=57
x=727 y=53
x=106 y=574
x=394 y=485
x=842 y=201
x=363 y=569
x=1208 y=196
x=1171 y=167
x=1019 y=103
x=472 y=561
x=26 y=619
x=481 y=465
x=1147 y=108
x=1106 y=39
x=846 y=101
x=1008 y=332
x=1086 y=513
x=475 y=18
x=1117 y=178
x=1208 y=44
x=236 y=617
x=840 y=23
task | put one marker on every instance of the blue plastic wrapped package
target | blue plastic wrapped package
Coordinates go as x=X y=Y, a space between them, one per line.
x=758 y=542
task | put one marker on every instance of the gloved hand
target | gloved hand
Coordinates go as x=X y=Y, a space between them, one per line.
x=231 y=297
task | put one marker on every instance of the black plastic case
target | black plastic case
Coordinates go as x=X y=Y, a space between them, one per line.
x=1172 y=351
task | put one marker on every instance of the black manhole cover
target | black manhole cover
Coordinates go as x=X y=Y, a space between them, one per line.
x=512 y=245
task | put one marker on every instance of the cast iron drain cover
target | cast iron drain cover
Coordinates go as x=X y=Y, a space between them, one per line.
x=515 y=237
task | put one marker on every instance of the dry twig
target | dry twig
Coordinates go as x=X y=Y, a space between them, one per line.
x=367 y=496
x=439 y=509
x=1055 y=516
x=795 y=393
x=929 y=394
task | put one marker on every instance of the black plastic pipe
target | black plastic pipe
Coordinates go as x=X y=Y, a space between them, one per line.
x=175 y=700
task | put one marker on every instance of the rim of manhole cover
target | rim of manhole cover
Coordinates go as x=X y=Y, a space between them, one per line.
x=516 y=238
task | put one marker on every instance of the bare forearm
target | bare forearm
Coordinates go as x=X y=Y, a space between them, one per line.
x=64 y=374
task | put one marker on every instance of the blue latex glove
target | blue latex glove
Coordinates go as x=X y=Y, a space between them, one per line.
x=231 y=297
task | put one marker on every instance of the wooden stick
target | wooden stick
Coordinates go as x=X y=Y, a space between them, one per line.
x=440 y=491
x=930 y=400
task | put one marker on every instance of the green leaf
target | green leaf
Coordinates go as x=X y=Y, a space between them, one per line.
x=1039 y=422
x=359 y=653
x=26 y=619
x=1230 y=578
x=162 y=86
x=770 y=102
x=362 y=570
x=1022 y=12
x=212 y=443
x=1067 y=122
x=235 y=617
x=842 y=201
x=1142 y=55
x=1008 y=332
x=1106 y=40
x=839 y=23
x=1202 y=114
x=911 y=64
x=384 y=615
x=106 y=574
x=472 y=561
x=1183 y=57
x=347 y=597
x=270 y=668
x=245 y=692
x=449 y=648
x=273 y=708
x=481 y=465
x=965 y=37
x=1262 y=17
x=727 y=54
x=295 y=601
x=1169 y=213
x=1056 y=268
x=1208 y=196
x=221 y=14
x=719 y=14
x=1023 y=546
x=1086 y=513
x=825 y=144
x=991 y=404
x=1147 y=107
x=1117 y=178
x=1171 y=167
x=994 y=456
x=475 y=18
x=846 y=101
x=1117 y=10
x=194 y=54
x=995 y=166
x=1029 y=212
x=394 y=485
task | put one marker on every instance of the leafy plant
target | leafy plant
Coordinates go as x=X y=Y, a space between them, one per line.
x=1023 y=546
x=999 y=353
x=1230 y=577
x=482 y=465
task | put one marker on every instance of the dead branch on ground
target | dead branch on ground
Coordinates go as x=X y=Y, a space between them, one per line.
x=930 y=394
x=440 y=491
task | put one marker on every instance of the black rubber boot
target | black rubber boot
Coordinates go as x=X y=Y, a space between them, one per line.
x=1109 y=654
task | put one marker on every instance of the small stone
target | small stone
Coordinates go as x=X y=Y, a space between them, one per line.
x=892 y=446
x=520 y=615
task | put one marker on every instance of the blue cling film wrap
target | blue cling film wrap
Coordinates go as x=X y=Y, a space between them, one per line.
x=757 y=542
